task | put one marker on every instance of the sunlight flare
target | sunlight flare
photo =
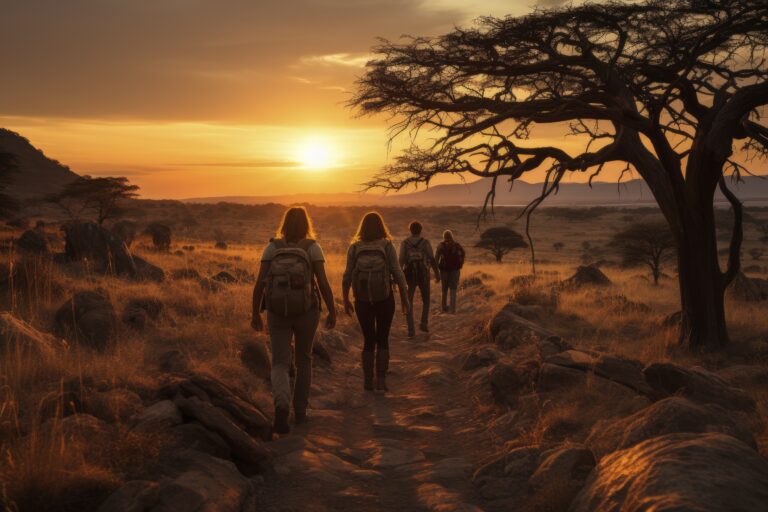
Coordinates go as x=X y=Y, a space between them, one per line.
x=317 y=154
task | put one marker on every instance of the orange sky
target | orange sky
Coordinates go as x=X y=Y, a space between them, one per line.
x=195 y=98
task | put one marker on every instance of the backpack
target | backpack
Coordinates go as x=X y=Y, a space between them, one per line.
x=290 y=280
x=415 y=264
x=452 y=256
x=371 y=276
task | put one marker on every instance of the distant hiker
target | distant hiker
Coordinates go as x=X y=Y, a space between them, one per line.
x=293 y=275
x=372 y=269
x=450 y=259
x=416 y=258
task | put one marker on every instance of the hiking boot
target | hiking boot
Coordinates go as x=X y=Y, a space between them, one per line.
x=368 y=357
x=424 y=328
x=382 y=365
x=281 y=420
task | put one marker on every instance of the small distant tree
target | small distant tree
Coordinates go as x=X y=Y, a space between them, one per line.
x=645 y=243
x=558 y=246
x=500 y=241
x=7 y=167
x=103 y=196
x=756 y=254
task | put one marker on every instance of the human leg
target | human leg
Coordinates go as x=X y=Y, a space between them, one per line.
x=385 y=312
x=304 y=329
x=280 y=333
x=424 y=288
x=410 y=316
x=367 y=320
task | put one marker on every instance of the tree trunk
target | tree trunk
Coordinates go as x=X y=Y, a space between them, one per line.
x=702 y=288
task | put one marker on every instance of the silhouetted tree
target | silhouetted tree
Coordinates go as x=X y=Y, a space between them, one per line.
x=161 y=235
x=500 y=241
x=662 y=87
x=103 y=196
x=645 y=243
x=7 y=166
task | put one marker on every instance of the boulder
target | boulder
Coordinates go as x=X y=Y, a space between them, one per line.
x=743 y=375
x=626 y=372
x=507 y=381
x=748 y=289
x=560 y=476
x=480 y=358
x=507 y=475
x=88 y=318
x=224 y=277
x=157 y=417
x=172 y=361
x=552 y=345
x=138 y=312
x=185 y=273
x=255 y=357
x=587 y=275
x=554 y=377
x=696 y=384
x=89 y=241
x=113 y=406
x=161 y=235
x=146 y=271
x=702 y=472
x=668 y=416
x=195 y=436
x=33 y=241
x=19 y=338
x=509 y=330
x=195 y=481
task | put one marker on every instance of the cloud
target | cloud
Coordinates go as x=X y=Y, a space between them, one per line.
x=251 y=164
x=339 y=59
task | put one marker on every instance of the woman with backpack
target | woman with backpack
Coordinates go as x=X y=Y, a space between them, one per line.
x=372 y=269
x=291 y=279
x=450 y=259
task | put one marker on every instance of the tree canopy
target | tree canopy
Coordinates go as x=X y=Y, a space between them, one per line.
x=103 y=196
x=500 y=241
x=645 y=243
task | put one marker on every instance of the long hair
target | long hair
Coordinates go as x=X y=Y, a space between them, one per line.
x=372 y=228
x=447 y=235
x=296 y=225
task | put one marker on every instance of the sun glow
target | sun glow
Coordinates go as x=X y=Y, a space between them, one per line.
x=317 y=154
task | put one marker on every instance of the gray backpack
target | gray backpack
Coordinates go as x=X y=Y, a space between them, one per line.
x=290 y=280
x=371 y=277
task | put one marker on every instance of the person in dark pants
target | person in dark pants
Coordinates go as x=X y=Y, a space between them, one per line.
x=450 y=259
x=371 y=271
x=416 y=258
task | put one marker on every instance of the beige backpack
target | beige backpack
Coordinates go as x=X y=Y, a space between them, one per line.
x=371 y=277
x=290 y=280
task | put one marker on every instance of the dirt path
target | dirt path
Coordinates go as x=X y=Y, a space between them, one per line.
x=412 y=449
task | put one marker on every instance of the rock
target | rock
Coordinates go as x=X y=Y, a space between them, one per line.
x=185 y=273
x=124 y=231
x=532 y=312
x=255 y=357
x=197 y=482
x=113 y=406
x=626 y=372
x=195 y=436
x=320 y=352
x=507 y=381
x=701 y=472
x=696 y=384
x=553 y=377
x=139 y=311
x=388 y=457
x=744 y=375
x=224 y=277
x=221 y=246
x=19 y=339
x=560 y=477
x=33 y=241
x=146 y=271
x=209 y=285
x=251 y=456
x=748 y=289
x=552 y=345
x=161 y=235
x=437 y=375
x=481 y=358
x=587 y=276
x=88 y=319
x=509 y=330
x=89 y=241
x=173 y=361
x=508 y=474
x=157 y=417
x=668 y=416
x=436 y=498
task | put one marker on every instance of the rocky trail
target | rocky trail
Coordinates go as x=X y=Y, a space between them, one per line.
x=414 y=448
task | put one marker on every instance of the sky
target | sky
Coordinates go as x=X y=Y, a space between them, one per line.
x=202 y=98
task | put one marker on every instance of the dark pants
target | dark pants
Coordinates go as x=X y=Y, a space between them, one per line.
x=375 y=321
x=423 y=287
x=450 y=284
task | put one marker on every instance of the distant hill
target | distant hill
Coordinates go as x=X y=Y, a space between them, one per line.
x=632 y=192
x=37 y=175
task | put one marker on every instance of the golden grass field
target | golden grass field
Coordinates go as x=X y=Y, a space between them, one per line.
x=42 y=463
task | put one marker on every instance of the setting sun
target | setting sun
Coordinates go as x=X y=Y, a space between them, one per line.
x=317 y=154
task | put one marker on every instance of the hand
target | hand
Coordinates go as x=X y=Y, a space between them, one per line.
x=330 y=320
x=348 y=307
x=256 y=323
x=405 y=305
x=437 y=278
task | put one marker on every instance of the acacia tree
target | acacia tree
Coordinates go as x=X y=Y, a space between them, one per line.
x=500 y=241
x=663 y=87
x=104 y=196
x=645 y=243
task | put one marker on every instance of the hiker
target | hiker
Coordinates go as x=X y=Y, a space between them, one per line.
x=416 y=258
x=372 y=269
x=450 y=259
x=292 y=274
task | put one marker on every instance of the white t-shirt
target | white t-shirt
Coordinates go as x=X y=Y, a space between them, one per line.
x=315 y=252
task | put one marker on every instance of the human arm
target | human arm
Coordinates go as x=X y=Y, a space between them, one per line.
x=403 y=259
x=258 y=293
x=432 y=260
x=397 y=273
x=346 y=281
x=325 y=291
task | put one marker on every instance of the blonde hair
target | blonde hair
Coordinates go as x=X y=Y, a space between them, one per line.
x=372 y=227
x=296 y=225
x=447 y=235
